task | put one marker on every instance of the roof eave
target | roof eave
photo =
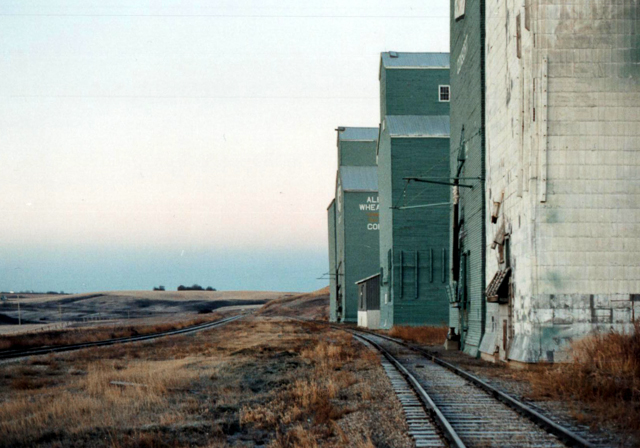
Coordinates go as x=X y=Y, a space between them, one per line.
x=416 y=67
x=367 y=278
x=418 y=136
x=355 y=190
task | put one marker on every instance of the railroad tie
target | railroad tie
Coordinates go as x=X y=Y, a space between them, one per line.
x=421 y=429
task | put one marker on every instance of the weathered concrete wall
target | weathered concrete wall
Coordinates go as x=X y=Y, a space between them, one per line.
x=563 y=159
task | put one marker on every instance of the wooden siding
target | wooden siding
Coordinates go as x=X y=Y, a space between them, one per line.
x=415 y=292
x=369 y=294
x=357 y=153
x=333 y=285
x=467 y=113
x=361 y=242
x=413 y=92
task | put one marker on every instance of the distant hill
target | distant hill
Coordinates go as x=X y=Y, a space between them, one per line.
x=314 y=305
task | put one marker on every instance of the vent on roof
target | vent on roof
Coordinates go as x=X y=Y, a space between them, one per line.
x=393 y=54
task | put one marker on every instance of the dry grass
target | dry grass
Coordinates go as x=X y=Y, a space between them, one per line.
x=310 y=398
x=314 y=305
x=65 y=337
x=421 y=335
x=306 y=413
x=604 y=374
x=91 y=400
x=265 y=382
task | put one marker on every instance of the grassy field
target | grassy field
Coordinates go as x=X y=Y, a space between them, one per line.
x=43 y=311
x=258 y=382
x=99 y=333
x=314 y=306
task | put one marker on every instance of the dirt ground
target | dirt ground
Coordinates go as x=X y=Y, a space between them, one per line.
x=260 y=381
x=49 y=312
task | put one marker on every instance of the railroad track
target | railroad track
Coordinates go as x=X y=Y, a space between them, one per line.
x=463 y=411
x=10 y=354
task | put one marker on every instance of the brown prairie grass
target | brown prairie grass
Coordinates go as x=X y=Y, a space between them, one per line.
x=604 y=373
x=312 y=398
x=65 y=337
x=92 y=400
x=271 y=380
x=421 y=335
x=313 y=305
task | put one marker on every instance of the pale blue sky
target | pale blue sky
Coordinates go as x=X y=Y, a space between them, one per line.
x=167 y=142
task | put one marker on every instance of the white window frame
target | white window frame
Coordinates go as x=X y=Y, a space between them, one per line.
x=460 y=7
x=448 y=100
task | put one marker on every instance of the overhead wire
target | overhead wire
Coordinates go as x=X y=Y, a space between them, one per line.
x=444 y=159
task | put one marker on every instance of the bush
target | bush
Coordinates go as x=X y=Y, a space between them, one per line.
x=194 y=287
x=604 y=372
x=421 y=335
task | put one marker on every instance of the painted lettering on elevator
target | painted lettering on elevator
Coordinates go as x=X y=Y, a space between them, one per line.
x=372 y=204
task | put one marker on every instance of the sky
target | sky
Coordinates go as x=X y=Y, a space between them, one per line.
x=180 y=142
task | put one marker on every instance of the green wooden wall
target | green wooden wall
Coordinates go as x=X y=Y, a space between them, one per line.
x=414 y=243
x=467 y=124
x=361 y=243
x=340 y=252
x=406 y=91
x=333 y=293
x=357 y=153
x=386 y=228
x=356 y=245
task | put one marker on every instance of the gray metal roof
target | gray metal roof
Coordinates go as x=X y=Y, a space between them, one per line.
x=359 y=178
x=415 y=60
x=368 y=278
x=358 y=134
x=429 y=126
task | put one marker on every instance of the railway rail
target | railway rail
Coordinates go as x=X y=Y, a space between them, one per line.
x=467 y=411
x=11 y=354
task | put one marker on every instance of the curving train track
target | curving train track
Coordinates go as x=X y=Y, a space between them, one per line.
x=447 y=406
x=10 y=354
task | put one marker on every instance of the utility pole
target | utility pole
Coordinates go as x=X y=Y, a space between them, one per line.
x=60 y=311
x=19 y=314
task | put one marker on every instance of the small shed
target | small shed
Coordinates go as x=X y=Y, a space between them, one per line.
x=369 y=302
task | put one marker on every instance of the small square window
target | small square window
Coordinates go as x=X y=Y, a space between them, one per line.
x=445 y=94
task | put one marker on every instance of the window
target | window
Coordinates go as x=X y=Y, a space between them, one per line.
x=460 y=5
x=445 y=94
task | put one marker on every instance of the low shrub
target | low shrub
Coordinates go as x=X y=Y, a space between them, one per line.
x=421 y=335
x=604 y=373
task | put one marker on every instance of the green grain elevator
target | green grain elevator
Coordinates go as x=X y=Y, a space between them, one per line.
x=413 y=176
x=467 y=284
x=356 y=211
